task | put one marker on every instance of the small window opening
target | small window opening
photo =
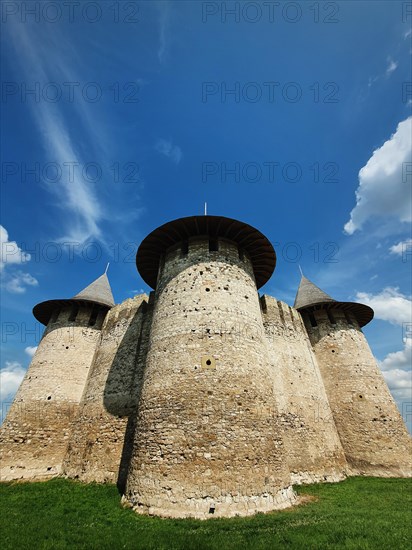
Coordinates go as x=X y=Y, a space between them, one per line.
x=207 y=289
x=93 y=316
x=212 y=510
x=185 y=248
x=312 y=319
x=330 y=317
x=208 y=362
x=73 y=313
x=349 y=320
x=48 y=398
x=213 y=245
x=55 y=315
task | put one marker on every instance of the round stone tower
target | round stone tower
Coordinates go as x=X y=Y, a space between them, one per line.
x=36 y=431
x=373 y=434
x=207 y=439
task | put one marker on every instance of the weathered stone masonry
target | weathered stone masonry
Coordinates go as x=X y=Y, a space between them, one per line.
x=203 y=399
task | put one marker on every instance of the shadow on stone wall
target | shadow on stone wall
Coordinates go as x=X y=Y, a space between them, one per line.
x=124 y=381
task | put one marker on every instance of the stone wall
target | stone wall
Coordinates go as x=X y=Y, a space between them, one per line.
x=100 y=445
x=207 y=438
x=36 y=431
x=314 y=451
x=371 y=429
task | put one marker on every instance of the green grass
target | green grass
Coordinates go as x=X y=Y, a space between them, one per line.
x=362 y=513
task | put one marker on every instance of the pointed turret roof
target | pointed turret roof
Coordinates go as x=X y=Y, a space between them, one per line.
x=98 y=292
x=309 y=296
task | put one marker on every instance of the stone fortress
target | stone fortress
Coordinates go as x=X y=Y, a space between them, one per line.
x=203 y=399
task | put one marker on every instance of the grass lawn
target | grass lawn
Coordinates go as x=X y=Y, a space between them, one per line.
x=356 y=513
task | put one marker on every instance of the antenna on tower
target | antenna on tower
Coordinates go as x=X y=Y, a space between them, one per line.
x=205 y=208
x=300 y=269
x=107 y=267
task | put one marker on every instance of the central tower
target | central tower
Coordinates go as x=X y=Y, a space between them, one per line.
x=207 y=439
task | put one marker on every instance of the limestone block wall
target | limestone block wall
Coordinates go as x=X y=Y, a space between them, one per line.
x=314 y=450
x=371 y=429
x=36 y=431
x=100 y=444
x=207 y=438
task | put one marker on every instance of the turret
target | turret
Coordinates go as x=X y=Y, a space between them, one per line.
x=36 y=431
x=370 y=427
x=208 y=439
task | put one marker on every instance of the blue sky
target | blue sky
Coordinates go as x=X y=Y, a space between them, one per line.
x=284 y=115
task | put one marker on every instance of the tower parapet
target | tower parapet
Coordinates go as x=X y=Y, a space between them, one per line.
x=36 y=431
x=370 y=427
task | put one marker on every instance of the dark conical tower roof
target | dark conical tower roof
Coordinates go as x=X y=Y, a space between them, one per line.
x=308 y=294
x=311 y=297
x=98 y=292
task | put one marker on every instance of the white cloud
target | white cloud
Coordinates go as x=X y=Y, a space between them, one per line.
x=383 y=191
x=403 y=248
x=397 y=361
x=389 y=305
x=396 y=369
x=17 y=282
x=172 y=152
x=392 y=66
x=31 y=350
x=10 y=378
x=10 y=253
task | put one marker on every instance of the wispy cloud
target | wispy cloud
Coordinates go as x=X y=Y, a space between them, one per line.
x=392 y=66
x=75 y=196
x=172 y=152
x=163 y=8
